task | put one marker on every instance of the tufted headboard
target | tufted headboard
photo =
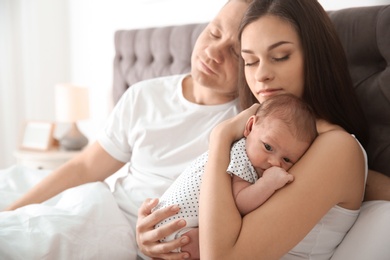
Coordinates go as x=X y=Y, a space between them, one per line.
x=364 y=31
x=147 y=53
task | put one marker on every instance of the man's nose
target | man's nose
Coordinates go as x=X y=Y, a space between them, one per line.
x=214 y=52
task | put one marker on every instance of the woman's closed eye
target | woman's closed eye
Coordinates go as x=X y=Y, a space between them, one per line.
x=281 y=58
x=274 y=59
x=250 y=63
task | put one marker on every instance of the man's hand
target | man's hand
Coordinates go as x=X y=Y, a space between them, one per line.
x=148 y=238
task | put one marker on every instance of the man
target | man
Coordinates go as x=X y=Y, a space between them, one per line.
x=141 y=128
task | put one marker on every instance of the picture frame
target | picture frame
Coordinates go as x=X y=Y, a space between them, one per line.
x=38 y=135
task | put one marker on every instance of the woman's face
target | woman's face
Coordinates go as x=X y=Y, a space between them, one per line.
x=273 y=58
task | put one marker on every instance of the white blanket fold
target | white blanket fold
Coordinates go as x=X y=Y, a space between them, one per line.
x=80 y=223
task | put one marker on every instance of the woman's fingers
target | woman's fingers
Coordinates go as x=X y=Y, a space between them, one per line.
x=234 y=127
x=246 y=114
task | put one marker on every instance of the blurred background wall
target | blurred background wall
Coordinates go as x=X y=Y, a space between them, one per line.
x=45 y=42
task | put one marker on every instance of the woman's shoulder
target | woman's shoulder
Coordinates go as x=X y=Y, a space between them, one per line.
x=338 y=144
x=334 y=134
x=338 y=136
x=336 y=148
x=340 y=151
x=335 y=160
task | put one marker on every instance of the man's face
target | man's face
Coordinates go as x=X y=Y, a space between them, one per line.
x=216 y=53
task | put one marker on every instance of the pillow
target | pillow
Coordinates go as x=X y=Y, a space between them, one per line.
x=370 y=235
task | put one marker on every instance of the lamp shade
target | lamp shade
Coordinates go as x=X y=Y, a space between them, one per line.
x=72 y=103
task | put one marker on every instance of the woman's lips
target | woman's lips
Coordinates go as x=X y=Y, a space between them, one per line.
x=269 y=92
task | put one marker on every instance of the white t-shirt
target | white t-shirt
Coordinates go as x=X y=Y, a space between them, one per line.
x=159 y=132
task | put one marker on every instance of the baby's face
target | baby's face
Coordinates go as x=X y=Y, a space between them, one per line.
x=271 y=143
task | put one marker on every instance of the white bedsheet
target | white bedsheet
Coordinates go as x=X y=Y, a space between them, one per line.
x=86 y=223
x=81 y=223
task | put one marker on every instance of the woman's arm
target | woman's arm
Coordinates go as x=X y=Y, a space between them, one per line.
x=93 y=164
x=334 y=161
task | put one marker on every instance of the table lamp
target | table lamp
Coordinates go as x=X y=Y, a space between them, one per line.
x=72 y=105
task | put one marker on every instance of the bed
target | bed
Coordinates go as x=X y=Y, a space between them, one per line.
x=152 y=52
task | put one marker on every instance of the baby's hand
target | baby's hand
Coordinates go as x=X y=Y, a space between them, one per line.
x=276 y=177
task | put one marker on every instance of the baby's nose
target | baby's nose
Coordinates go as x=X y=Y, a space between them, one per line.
x=274 y=161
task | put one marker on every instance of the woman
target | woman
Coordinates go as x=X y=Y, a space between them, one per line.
x=147 y=111
x=290 y=46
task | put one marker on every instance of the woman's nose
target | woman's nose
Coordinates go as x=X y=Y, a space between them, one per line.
x=263 y=72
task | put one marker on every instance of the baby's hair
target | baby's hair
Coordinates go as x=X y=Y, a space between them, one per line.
x=294 y=112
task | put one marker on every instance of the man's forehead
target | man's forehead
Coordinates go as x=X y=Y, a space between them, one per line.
x=229 y=18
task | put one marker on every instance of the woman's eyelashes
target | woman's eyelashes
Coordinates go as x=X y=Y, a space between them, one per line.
x=248 y=64
x=274 y=59
x=286 y=57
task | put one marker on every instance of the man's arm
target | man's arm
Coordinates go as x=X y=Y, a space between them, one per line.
x=93 y=164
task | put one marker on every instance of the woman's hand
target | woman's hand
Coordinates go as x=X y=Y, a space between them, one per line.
x=148 y=238
x=234 y=127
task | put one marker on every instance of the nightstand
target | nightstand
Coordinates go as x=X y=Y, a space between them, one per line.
x=51 y=159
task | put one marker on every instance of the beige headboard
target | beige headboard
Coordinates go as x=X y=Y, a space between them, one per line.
x=147 y=53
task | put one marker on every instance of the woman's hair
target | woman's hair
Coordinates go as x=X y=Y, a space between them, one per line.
x=294 y=112
x=328 y=87
x=244 y=1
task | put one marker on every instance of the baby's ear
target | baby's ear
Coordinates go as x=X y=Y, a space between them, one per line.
x=249 y=125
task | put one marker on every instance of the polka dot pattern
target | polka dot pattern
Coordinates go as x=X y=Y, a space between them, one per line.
x=185 y=189
x=240 y=164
